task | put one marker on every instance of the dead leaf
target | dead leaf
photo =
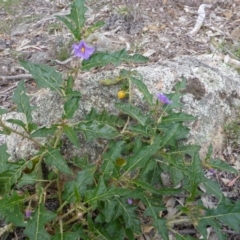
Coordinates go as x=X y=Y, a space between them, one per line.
x=228 y=15
x=225 y=181
x=146 y=229
x=231 y=183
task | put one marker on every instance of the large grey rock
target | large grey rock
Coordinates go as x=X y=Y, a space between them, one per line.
x=212 y=95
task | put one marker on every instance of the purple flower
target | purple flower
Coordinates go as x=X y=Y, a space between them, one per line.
x=162 y=98
x=28 y=213
x=130 y=201
x=82 y=50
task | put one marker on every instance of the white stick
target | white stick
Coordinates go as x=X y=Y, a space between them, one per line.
x=200 y=19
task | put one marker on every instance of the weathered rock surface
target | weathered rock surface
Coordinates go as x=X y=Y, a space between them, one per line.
x=212 y=94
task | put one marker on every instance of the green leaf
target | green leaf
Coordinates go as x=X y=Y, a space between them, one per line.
x=159 y=223
x=94 y=129
x=35 y=228
x=212 y=188
x=227 y=213
x=45 y=76
x=66 y=236
x=71 y=135
x=44 y=132
x=53 y=157
x=105 y=117
x=11 y=208
x=141 y=157
x=146 y=131
x=4 y=164
x=27 y=179
x=70 y=107
x=108 y=168
x=151 y=189
x=129 y=215
x=76 y=19
x=2 y=111
x=23 y=101
x=143 y=88
x=102 y=193
x=109 y=210
x=116 y=58
x=177 y=117
x=194 y=174
x=17 y=122
x=83 y=179
x=10 y=176
x=132 y=111
x=222 y=166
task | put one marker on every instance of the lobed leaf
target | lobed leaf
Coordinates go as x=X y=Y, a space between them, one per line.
x=23 y=101
x=141 y=157
x=116 y=58
x=159 y=223
x=143 y=88
x=177 y=117
x=70 y=107
x=132 y=111
x=11 y=176
x=83 y=179
x=53 y=157
x=76 y=19
x=44 y=131
x=35 y=228
x=2 y=111
x=4 y=156
x=45 y=76
x=104 y=118
x=71 y=135
x=11 y=209
x=222 y=166
x=94 y=129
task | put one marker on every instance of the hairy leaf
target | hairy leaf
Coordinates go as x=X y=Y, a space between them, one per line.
x=222 y=166
x=4 y=158
x=148 y=187
x=35 y=228
x=45 y=76
x=116 y=58
x=23 y=101
x=132 y=111
x=53 y=157
x=143 y=88
x=66 y=236
x=105 y=118
x=109 y=168
x=177 y=117
x=142 y=156
x=11 y=208
x=17 y=122
x=102 y=193
x=94 y=129
x=2 y=111
x=212 y=188
x=76 y=19
x=83 y=179
x=159 y=223
x=11 y=176
x=71 y=135
x=44 y=132
x=131 y=220
x=70 y=107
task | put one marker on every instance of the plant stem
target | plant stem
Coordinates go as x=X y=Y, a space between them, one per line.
x=20 y=134
x=183 y=220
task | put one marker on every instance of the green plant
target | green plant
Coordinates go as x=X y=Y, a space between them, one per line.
x=103 y=199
